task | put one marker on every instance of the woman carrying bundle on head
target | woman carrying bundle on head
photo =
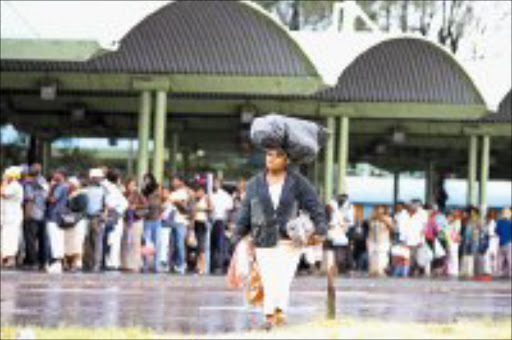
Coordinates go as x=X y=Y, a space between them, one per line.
x=271 y=213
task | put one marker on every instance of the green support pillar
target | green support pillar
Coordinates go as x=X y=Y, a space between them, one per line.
x=343 y=156
x=174 y=152
x=144 y=119
x=484 y=174
x=430 y=181
x=329 y=160
x=472 y=156
x=315 y=173
x=396 y=188
x=159 y=135
x=129 y=161
x=47 y=154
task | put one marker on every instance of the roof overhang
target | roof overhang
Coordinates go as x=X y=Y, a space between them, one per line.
x=51 y=49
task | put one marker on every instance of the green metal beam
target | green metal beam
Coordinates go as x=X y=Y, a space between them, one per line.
x=472 y=156
x=51 y=50
x=143 y=135
x=343 y=155
x=329 y=160
x=159 y=135
x=404 y=110
x=484 y=174
x=177 y=82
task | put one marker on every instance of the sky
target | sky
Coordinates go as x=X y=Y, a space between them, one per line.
x=108 y=21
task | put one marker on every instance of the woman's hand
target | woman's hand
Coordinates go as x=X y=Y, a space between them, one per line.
x=315 y=240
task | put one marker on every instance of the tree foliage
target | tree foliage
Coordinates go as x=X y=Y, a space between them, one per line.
x=445 y=21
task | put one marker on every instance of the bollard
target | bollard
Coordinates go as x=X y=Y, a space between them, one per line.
x=331 y=289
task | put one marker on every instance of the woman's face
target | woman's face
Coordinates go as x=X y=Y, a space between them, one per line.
x=276 y=160
x=131 y=186
x=199 y=193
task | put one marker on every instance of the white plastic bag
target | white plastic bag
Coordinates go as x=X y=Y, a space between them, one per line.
x=240 y=266
x=439 y=251
x=300 y=229
x=424 y=256
x=401 y=251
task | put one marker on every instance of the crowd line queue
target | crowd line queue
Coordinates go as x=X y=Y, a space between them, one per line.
x=100 y=223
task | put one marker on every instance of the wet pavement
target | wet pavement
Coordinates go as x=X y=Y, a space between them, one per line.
x=193 y=304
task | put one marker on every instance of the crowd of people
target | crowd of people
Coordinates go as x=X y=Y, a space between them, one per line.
x=422 y=240
x=101 y=222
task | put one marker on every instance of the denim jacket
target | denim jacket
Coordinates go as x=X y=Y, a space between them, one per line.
x=266 y=224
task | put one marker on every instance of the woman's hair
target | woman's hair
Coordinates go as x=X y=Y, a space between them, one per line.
x=151 y=186
x=128 y=180
x=112 y=176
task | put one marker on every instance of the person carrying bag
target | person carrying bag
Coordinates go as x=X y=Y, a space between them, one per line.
x=269 y=206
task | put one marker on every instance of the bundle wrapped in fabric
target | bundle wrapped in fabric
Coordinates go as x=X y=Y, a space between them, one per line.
x=300 y=139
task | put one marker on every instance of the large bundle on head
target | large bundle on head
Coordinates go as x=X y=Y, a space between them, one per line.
x=300 y=139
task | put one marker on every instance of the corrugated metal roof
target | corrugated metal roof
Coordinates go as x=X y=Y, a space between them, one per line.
x=404 y=70
x=504 y=113
x=206 y=37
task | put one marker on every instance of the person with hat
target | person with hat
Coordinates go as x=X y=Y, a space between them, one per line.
x=11 y=216
x=504 y=232
x=75 y=235
x=93 y=244
x=270 y=203
x=57 y=200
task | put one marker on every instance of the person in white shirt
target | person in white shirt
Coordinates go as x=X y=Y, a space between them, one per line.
x=11 y=216
x=202 y=208
x=116 y=204
x=491 y=255
x=180 y=199
x=416 y=235
x=222 y=204
x=400 y=252
x=342 y=218
x=402 y=219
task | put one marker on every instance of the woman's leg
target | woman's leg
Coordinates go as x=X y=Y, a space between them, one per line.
x=269 y=264
x=179 y=242
x=157 y=237
x=164 y=246
x=290 y=256
x=147 y=241
x=200 y=231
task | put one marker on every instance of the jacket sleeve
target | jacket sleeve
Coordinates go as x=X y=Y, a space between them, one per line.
x=243 y=222
x=309 y=201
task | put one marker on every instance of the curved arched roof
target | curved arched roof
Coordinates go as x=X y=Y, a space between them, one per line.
x=405 y=69
x=197 y=37
x=504 y=113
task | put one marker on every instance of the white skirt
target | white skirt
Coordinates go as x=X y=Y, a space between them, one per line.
x=278 y=266
x=74 y=238
x=11 y=236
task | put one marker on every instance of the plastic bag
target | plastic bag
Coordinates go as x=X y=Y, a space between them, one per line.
x=254 y=288
x=240 y=265
x=300 y=139
x=425 y=255
x=300 y=229
x=400 y=251
x=439 y=251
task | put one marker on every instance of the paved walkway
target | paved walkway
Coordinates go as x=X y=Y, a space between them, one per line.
x=169 y=303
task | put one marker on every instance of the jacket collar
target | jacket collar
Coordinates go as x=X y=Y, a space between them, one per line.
x=286 y=198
